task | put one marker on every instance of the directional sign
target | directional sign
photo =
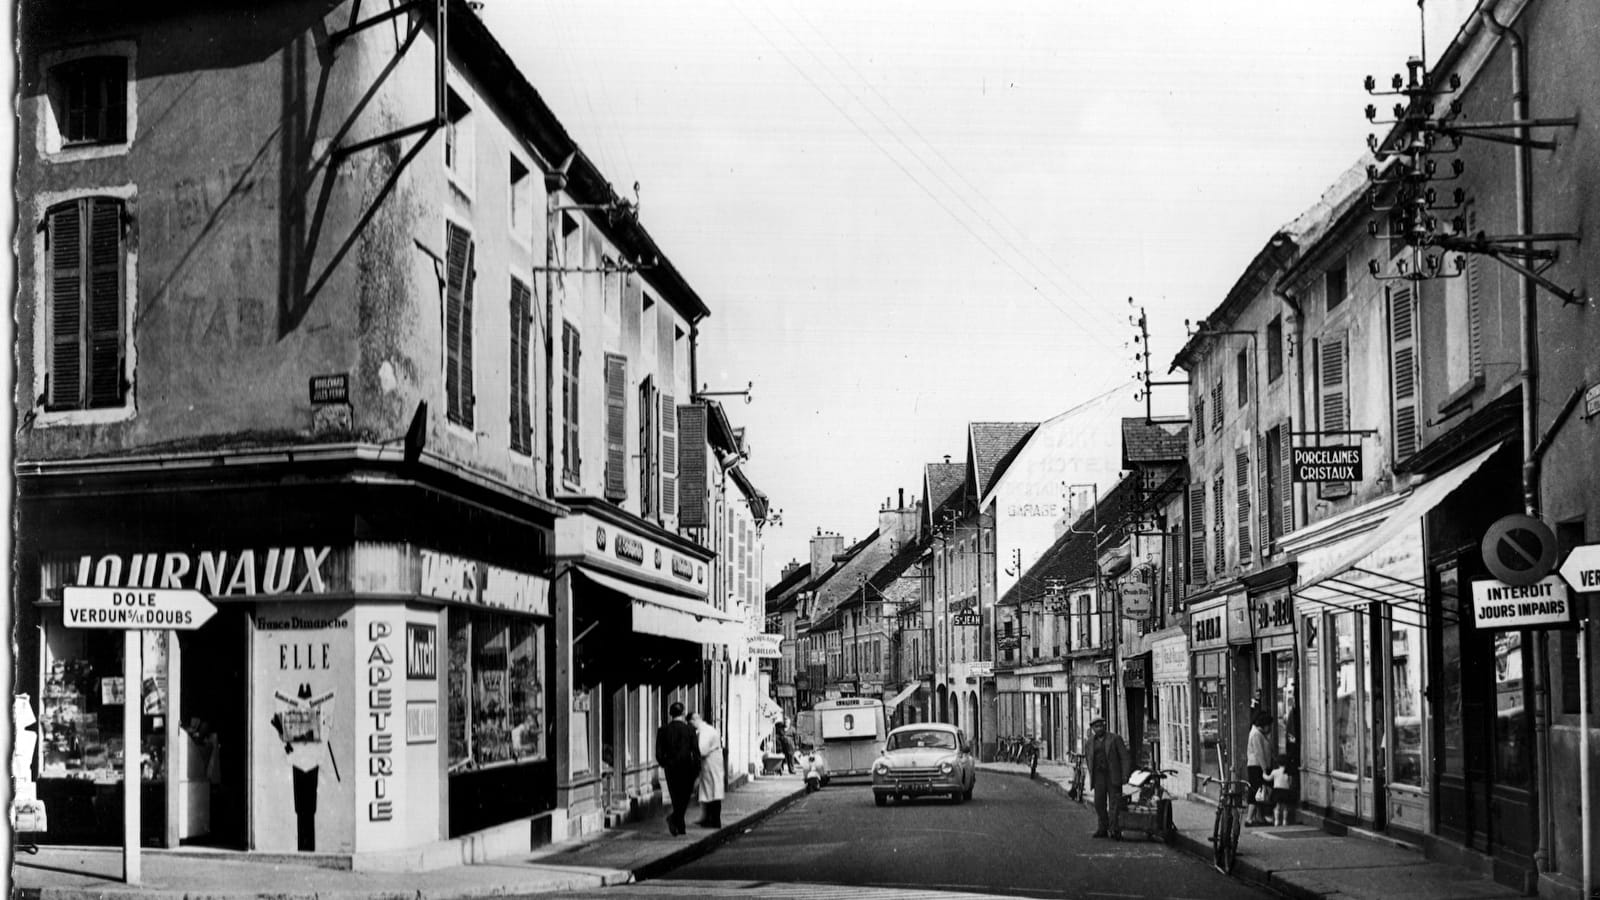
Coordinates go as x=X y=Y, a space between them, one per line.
x=135 y=608
x=1519 y=549
x=1582 y=568
x=1500 y=606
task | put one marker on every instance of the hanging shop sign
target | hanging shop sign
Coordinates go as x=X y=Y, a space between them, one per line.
x=1318 y=464
x=1498 y=606
x=967 y=618
x=766 y=646
x=1136 y=598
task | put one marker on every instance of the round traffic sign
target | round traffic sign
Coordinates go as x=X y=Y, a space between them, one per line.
x=1519 y=550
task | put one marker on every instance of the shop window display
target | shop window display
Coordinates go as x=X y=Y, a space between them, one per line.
x=495 y=690
x=1346 y=711
x=1405 y=673
x=1208 y=702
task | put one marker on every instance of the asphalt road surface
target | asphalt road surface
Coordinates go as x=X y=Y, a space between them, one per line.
x=1014 y=838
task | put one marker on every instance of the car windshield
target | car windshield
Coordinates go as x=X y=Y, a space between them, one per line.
x=905 y=740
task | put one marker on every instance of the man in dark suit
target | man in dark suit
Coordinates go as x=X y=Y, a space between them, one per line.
x=1108 y=769
x=678 y=754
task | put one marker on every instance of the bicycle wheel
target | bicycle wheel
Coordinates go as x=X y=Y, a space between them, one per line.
x=1230 y=843
x=1218 y=837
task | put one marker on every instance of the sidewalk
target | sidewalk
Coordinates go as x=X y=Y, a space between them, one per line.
x=1304 y=861
x=615 y=856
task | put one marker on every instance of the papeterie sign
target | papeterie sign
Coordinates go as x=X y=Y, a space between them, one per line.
x=1318 y=464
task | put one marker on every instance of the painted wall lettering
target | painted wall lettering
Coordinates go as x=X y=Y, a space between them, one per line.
x=380 y=712
x=216 y=573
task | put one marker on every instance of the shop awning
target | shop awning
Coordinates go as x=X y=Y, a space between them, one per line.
x=901 y=697
x=671 y=615
x=1424 y=497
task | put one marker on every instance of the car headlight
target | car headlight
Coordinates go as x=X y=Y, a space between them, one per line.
x=880 y=769
x=946 y=768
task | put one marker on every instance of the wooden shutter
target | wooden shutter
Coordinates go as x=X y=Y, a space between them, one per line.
x=1199 y=417
x=616 y=427
x=572 y=356
x=1219 y=525
x=669 y=455
x=104 y=298
x=1241 y=478
x=521 y=367
x=1216 y=407
x=1334 y=390
x=457 y=323
x=65 y=368
x=1475 y=315
x=692 y=466
x=1266 y=495
x=1403 y=372
x=648 y=474
x=1197 y=533
x=1286 y=474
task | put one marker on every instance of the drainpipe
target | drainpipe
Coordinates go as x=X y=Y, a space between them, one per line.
x=555 y=182
x=1526 y=295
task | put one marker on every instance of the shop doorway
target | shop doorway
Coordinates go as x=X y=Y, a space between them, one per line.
x=213 y=700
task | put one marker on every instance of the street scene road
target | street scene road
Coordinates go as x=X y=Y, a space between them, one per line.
x=1014 y=838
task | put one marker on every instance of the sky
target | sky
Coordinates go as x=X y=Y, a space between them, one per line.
x=909 y=216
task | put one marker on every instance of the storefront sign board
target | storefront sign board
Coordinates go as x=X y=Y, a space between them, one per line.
x=1136 y=599
x=1313 y=465
x=766 y=646
x=135 y=608
x=1208 y=628
x=1499 y=606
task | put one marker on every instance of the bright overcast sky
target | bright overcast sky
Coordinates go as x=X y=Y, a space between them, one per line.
x=906 y=216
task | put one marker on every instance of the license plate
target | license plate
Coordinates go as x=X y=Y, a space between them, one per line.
x=921 y=788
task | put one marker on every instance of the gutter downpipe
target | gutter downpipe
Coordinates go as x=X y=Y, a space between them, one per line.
x=555 y=182
x=1529 y=376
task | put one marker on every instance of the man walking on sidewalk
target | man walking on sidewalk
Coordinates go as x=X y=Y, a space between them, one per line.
x=1108 y=769
x=678 y=754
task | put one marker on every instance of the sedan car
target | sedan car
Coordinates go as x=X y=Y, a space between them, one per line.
x=926 y=758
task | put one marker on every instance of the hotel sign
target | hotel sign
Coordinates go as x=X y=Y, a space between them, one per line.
x=1319 y=464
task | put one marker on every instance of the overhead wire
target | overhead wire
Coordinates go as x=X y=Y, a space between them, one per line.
x=976 y=191
x=898 y=164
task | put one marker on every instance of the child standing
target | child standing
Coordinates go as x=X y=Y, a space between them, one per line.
x=1282 y=780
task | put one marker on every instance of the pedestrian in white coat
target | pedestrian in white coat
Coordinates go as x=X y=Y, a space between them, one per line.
x=713 y=771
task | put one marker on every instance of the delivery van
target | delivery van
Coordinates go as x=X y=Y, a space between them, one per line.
x=849 y=731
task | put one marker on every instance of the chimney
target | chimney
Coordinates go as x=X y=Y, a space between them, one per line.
x=824 y=547
x=902 y=499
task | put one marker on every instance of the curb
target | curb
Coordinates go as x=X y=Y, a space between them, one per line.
x=684 y=855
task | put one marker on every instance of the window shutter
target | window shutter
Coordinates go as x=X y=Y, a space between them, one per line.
x=616 y=427
x=1265 y=466
x=647 y=448
x=1335 y=407
x=572 y=356
x=1286 y=460
x=1199 y=417
x=1219 y=525
x=105 y=302
x=1216 y=407
x=1403 y=371
x=1197 y=533
x=521 y=367
x=692 y=466
x=65 y=232
x=1475 y=315
x=457 y=264
x=468 y=399
x=1241 y=473
x=669 y=455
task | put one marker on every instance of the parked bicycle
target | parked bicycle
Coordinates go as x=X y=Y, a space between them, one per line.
x=1031 y=747
x=1231 y=799
x=1076 y=787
